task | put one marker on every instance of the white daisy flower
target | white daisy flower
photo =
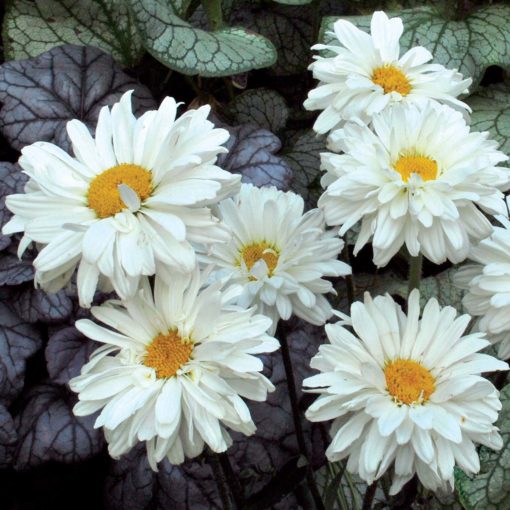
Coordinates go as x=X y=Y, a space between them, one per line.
x=417 y=179
x=278 y=254
x=366 y=75
x=131 y=199
x=405 y=392
x=173 y=369
x=488 y=285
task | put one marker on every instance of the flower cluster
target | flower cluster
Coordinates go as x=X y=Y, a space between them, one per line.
x=404 y=166
x=145 y=198
x=206 y=266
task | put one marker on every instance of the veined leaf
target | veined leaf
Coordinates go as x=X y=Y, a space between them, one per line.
x=31 y=28
x=491 y=112
x=191 y=51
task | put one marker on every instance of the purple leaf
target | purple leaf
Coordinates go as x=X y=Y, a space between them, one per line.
x=67 y=351
x=14 y=271
x=48 y=429
x=18 y=341
x=34 y=305
x=263 y=107
x=40 y=95
x=8 y=437
x=252 y=153
x=12 y=180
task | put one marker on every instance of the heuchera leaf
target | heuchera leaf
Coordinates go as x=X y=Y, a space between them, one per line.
x=252 y=154
x=14 y=271
x=490 y=490
x=33 y=305
x=48 y=429
x=303 y=156
x=8 y=437
x=470 y=45
x=191 y=51
x=67 y=351
x=31 y=28
x=289 y=28
x=12 y=180
x=18 y=341
x=40 y=95
x=491 y=112
x=255 y=460
x=264 y=108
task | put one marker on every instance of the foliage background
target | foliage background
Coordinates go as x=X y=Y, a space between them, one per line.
x=255 y=78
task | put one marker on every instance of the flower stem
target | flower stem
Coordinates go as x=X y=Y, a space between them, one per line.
x=415 y=264
x=221 y=481
x=369 y=496
x=294 y=403
x=235 y=486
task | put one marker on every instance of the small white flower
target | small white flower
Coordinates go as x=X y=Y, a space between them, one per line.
x=173 y=369
x=131 y=199
x=415 y=179
x=405 y=392
x=278 y=254
x=488 y=285
x=366 y=75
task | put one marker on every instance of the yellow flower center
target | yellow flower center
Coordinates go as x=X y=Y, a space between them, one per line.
x=408 y=381
x=103 y=195
x=391 y=79
x=424 y=166
x=167 y=353
x=252 y=253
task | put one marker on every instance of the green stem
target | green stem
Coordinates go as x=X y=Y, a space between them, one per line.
x=415 y=264
x=214 y=13
x=221 y=481
x=369 y=496
x=294 y=404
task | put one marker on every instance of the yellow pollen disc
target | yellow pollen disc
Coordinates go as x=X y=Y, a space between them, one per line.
x=103 y=195
x=256 y=251
x=167 y=353
x=408 y=381
x=391 y=79
x=424 y=166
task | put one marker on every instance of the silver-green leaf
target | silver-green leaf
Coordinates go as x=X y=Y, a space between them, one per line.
x=31 y=28
x=491 y=112
x=191 y=51
x=470 y=45
x=490 y=490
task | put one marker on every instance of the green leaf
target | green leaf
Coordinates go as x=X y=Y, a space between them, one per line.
x=490 y=490
x=31 y=28
x=289 y=28
x=470 y=45
x=491 y=112
x=191 y=51
x=263 y=107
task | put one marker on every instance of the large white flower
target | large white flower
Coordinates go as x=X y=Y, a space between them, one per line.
x=173 y=369
x=278 y=254
x=131 y=199
x=366 y=75
x=417 y=179
x=488 y=285
x=405 y=392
